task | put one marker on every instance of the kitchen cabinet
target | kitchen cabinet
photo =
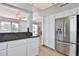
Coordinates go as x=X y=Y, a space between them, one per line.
x=72 y=51
x=3 y=47
x=49 y=31
x=17 y=51
x=3 y=53
x=33 y=46
x=22 y=47
x=45 y=31
x=67 y=13
x=16 y=43
x=17 y=48
x=78 y=11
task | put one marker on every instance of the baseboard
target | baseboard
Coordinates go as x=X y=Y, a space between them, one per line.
x=62 y=53
x=48 y=47
x=54 y=50
x=36 y=55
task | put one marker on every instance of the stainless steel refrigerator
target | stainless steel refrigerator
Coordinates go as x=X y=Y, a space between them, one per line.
x=65 y=35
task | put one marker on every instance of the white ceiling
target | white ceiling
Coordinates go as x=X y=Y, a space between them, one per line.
x=42 y=5
x=59 y=8
x=38 y=10
x=45 y=8
x=12 y=12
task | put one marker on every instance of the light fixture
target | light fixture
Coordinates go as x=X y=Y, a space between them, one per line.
x=42 y=5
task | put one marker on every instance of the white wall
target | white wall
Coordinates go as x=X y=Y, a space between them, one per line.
x=23 y=26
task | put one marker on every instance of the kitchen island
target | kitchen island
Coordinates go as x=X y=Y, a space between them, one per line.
x=19 y=44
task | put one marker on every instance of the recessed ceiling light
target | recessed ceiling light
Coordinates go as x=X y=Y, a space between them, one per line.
x=42 y=5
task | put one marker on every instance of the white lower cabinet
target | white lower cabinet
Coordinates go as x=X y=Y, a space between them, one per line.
x=33 y=46
x=23 y=47
x=3 y=53
x=17 y=51
x=17 y=48
x=3 y=47
x=72 y=51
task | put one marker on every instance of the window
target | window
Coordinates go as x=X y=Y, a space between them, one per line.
x=9 y=26
x=15 y=27
x=5 y=26
x=35 y=29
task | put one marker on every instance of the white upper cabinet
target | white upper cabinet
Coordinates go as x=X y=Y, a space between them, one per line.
x=45 y=31
x=51 y=32
x=73 y=28
x=78 y=11
x=67 y=13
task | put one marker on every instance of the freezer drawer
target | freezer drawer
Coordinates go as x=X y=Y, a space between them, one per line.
x=64 y=48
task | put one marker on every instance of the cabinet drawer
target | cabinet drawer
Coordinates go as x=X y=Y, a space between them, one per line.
x=3 y=46
x=16 y=43
x=62 y=47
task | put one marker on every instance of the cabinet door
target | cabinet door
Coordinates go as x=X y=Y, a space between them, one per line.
x=30 y=47
x=45 y=30
x=16 y=43
x=17 y=51
x=51 y=32
x=33 y=47
x=3 y=53
x=67 y=13
x=3 y=45
x=72 y=51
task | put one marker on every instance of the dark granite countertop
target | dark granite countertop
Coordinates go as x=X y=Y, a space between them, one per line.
x=15 y=36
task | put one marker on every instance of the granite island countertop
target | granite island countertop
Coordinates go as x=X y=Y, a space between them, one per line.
x=15 y=36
